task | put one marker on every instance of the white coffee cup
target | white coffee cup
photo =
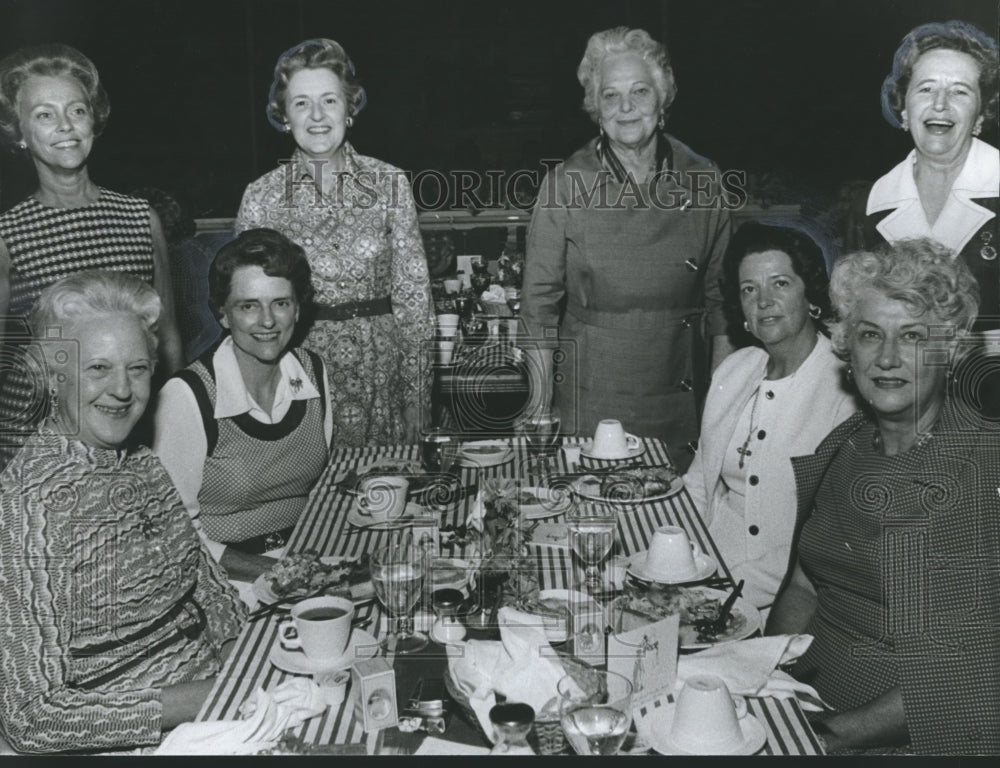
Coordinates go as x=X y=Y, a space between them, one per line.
x=448 y=324
x=320 y=627
x=706 y=717
x=444 y=351
x=382 y=497
x=611 y=441
x=671 y=554
x=452 y=286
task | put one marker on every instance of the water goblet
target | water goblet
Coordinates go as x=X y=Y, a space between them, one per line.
x=591 y=537
x=398 y=577
x=595 y=710
x=540 y=429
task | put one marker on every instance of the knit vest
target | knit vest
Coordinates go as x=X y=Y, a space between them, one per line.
x=257 y=477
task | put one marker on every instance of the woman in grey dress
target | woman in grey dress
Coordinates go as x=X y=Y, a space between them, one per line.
x=621 y=291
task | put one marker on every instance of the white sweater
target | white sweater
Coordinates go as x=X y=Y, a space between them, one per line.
x=757 y=547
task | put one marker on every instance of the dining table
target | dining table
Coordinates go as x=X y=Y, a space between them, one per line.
x=324 y=527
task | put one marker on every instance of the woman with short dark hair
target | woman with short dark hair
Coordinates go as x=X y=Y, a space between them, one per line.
x=766 y=403
x=53 y=107
x=356 y=218
x=245 y=431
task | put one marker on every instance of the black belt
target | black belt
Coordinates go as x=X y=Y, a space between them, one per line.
x=351 y=309
x=258 y=545
x=189 y=618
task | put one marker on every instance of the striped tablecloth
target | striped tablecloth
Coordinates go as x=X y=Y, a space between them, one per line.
x=324 y=527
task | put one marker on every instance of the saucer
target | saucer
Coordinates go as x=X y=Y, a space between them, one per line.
x=355 y=518
x=485 y=453
x=754 y=735
x=586 y=451
x=362 y=645
x=705 y=566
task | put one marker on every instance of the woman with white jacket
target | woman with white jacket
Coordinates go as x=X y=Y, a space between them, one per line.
x=766 y=403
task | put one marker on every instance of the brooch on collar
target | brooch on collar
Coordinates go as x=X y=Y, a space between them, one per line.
x=988 y=252
x=296 y=384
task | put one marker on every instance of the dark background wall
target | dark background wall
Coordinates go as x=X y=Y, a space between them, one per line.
x=786 y=89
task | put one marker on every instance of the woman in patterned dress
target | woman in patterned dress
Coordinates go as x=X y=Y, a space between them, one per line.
x=113 y=619
x=53 y=107
x=356 y=219
x=896 y=575
x=624 y=260
x=245 y=431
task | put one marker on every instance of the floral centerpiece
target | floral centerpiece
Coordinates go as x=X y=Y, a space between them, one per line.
x=510 y=269
x=505 y=557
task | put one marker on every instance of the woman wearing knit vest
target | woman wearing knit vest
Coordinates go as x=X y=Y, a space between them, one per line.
x=245 y=431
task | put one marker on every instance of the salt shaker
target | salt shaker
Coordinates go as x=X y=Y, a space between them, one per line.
x=511 y=724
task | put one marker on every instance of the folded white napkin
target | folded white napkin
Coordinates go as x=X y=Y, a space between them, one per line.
x=494 y=293
x=266 y=716
x=750 y=668
x=521 y=666
x=477 y=511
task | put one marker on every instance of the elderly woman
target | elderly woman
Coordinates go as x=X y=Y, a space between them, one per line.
x=114 y=618
x=245 y=431
x=623 y=263
x=896 y=574
x=944 y=86
x=52 y=108
x=356 y=219
x=767 y=402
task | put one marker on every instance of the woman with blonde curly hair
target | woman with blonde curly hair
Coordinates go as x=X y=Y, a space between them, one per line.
x=624 y=260
x=896 y=575
x=357 y=221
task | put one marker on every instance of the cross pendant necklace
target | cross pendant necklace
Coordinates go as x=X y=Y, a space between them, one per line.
x=744 y=450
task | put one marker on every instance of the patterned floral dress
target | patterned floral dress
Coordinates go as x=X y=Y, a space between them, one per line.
x=99 y=569
x=363 y=242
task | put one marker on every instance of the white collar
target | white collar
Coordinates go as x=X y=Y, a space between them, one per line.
x=960 y=218
x=231 y=396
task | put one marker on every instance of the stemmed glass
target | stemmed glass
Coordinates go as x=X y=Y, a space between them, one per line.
x=540 y=429
x=595 y=710
x=398 y=577
x=591 y=536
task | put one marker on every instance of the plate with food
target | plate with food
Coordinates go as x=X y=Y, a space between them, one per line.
x=698 y=608
x=485 y=453
x=629 y=486
x=538 y=503
x=420 y=480
x=552 y=607
x=306 y=573
x=358 y=518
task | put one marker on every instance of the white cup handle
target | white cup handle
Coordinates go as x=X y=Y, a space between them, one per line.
x=632 y=441
x=362 y=507
x=740 y=703
x=289 y=642
x=695 y=550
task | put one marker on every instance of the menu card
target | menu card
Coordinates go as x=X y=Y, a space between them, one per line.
x=647 y=656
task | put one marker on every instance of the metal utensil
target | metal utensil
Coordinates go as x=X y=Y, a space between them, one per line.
x=720 y=622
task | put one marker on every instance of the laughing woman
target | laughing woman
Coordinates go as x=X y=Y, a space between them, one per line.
x=245 y=431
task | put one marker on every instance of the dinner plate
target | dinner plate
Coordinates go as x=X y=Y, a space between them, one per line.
x=355 y=518
x=263 y=592
x=548 y=503
x=705 y=566
x=362 y=645
x=746 y=619
x=556 y=626
x=661 y=720
x=485 y=453
x=420 y=480
x=589 y=487
x=587 y=448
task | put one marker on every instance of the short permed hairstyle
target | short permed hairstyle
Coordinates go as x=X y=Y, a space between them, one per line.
x=953 y=36
x=271 y=251
x=624 y=40
x=52 y=60
x=97 y=292
x=807 y=262
x=319 y=53
x=920 y=272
